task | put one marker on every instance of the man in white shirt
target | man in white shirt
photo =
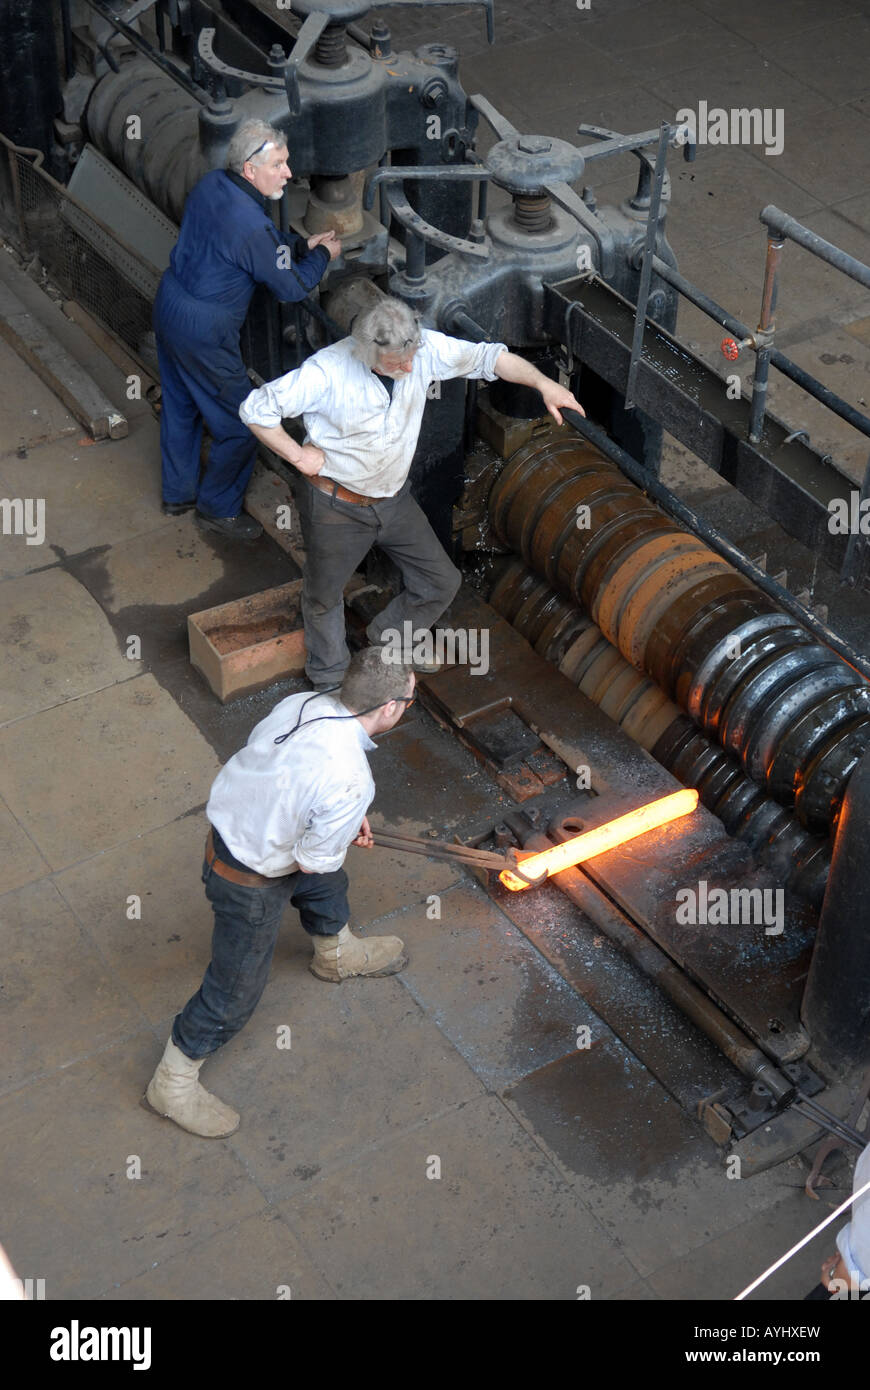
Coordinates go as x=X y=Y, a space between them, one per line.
x=283 y=812
x=362 y=401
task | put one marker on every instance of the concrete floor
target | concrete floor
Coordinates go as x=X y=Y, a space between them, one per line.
x=560 y=1170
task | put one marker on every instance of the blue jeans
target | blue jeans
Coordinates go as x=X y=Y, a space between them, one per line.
x=245 y=931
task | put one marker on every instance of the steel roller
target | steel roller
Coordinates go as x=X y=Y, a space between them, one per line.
x=563 y=635
x=794 y=713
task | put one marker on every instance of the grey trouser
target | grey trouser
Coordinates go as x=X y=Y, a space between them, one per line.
x=338 y=535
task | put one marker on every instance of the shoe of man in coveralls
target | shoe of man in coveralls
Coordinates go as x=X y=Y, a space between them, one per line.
x=227 y=245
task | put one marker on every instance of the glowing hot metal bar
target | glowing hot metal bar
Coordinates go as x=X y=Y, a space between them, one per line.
x=614 y=832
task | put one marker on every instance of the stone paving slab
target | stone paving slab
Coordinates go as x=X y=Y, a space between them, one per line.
x=158 y=958
x=260 y=1258
x=60 y=1001
x=744 y=79
x=501 y=1004
x=645 y=1169
x=102 y=493
x=364 y=1063
x=834 y=62
x=760 y=24
x=808 y=142
x=56 y=644
x=499 y=1223
x=664 y=37
x=723 y=1267
x=91 y=773
x=20 y=860
x=534 y=70
x=383 y=881
x=71 y=1215
x=149 y=583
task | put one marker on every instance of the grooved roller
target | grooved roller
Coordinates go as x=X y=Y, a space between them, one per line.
x=561 y=634
x=795 y=714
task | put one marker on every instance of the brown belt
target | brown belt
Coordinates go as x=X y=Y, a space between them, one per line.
x=247 y=878
x=343 y=494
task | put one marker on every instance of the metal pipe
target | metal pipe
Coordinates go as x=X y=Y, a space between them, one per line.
x=778 y=359
x=460 y=322
x=766 y=328
x=837 y=1126
x=785 y=226
x=415 y=258
x=836 y=1003
x=685 y=514
x=854 y=565
x=66 y=21
x=143 y=46
x=652 y=230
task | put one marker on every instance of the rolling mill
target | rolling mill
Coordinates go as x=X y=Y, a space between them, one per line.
x=633 y=647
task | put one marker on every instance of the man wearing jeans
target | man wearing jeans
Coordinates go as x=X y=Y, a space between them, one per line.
x=283 y=812
x=362 y=401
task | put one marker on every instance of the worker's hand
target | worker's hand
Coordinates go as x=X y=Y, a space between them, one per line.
x=365 y=837
x=555 y=396
x=328 y=240
x=833 y=1267
x=310 y=460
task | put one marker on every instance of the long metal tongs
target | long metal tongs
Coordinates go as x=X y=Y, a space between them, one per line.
x=444 y=849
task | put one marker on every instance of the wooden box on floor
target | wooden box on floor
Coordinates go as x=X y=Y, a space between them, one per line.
x=245 y=645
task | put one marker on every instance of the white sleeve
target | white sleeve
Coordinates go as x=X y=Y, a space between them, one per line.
x=451 y=357
x=286 y=396
x=332 y=826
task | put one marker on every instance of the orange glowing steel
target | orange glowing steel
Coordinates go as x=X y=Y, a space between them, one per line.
x=608 y=836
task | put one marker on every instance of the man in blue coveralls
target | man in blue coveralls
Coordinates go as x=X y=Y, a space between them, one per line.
x=228 y=244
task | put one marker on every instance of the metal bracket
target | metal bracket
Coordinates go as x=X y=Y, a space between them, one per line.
x=652 y=231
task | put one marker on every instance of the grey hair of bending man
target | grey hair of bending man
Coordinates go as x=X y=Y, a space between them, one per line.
x=390 y=327
x=253 y=141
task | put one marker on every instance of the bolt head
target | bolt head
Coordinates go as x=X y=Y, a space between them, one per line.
x=534 y=144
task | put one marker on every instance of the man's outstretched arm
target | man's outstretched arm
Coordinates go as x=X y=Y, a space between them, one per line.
x=510 y=367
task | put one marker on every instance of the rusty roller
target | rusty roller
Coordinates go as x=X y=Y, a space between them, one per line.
x=563 y=635
x=790 y=709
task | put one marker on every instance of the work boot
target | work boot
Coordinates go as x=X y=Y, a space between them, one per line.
x=238 y=528
x=174 y=1092
x=177 y=508
x=338 y=958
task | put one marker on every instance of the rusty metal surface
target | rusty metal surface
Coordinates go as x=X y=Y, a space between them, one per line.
x=794 y=712
x=756 y=977
x=563 y=635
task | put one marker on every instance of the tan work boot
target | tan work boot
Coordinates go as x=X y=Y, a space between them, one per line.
x=337 y=958
x=174 y=1092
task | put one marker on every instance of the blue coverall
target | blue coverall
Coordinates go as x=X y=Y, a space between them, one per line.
x=227 y=245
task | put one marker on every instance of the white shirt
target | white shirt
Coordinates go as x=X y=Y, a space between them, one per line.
x=367 y=438
x=853 y=1242
x=300 y=803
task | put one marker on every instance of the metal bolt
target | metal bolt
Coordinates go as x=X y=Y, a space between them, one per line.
x=534 y=144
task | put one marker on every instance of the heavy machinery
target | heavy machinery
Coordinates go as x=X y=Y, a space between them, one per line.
x=691 y=662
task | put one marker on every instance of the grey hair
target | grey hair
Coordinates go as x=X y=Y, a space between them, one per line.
x=389 y=327
x=248 y=139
